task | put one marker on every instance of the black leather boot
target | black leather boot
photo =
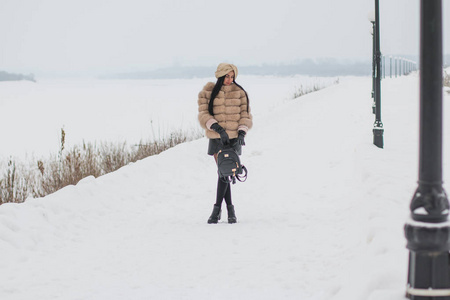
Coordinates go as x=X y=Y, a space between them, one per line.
x=231 y=214
x=215 y=215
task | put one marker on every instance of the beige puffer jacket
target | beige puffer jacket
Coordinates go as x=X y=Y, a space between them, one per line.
x=230 y=110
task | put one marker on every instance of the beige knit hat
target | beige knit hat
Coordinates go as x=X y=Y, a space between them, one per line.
x=224 y=68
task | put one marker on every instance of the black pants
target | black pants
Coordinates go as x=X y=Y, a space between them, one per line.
x=223 y=192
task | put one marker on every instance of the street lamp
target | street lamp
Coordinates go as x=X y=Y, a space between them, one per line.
x=378 y=130
x=428 y=230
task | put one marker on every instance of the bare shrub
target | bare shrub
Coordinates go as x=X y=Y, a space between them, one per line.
x=153 y=148
x=50 y=180
x=301 y=91
x=113 y=157
x=68 y=169
x=69 y=166
x=13 y=186
x=91 y=161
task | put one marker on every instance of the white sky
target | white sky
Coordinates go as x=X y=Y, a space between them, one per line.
x=101 y=36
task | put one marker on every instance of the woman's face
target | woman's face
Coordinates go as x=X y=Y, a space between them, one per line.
x=229 y=78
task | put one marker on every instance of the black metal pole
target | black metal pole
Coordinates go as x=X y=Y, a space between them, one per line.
x=390 y=66
x=430 y=155
x=400 y=67
x=396 y=67
x=378 y=125
x=373 y=66
x=428 y=230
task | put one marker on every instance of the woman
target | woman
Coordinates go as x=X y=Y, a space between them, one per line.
x=224 y=113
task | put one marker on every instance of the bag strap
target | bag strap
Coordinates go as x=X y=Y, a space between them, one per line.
x=243 y=177
x=232 y=179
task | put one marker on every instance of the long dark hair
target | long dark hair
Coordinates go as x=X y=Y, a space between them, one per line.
x=216 y=91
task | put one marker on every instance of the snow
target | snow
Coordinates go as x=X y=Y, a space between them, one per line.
x=320 y=217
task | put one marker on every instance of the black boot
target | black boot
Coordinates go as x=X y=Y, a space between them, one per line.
x=231 y=214
x=215 y=216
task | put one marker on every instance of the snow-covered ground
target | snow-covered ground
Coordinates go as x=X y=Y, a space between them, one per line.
x=320 y=217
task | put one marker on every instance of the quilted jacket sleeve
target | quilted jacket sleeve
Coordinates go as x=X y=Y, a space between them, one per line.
x=246 y=121
x=204 y=117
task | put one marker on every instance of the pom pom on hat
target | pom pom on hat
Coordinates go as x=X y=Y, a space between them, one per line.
x=224 y=68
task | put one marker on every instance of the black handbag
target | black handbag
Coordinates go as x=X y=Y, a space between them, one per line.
x=229 y=166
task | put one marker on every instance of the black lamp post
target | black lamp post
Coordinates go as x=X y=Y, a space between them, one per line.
x=390 y=67
x=371 y=17
x=378 y=125
x=396 y=70
x=428 y=230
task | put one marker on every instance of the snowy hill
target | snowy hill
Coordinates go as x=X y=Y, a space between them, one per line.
x=320 y=217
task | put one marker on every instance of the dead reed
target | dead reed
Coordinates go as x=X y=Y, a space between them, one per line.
x=301 y=91
x=69 y=166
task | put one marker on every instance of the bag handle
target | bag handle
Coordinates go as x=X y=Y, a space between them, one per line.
x=243 y=177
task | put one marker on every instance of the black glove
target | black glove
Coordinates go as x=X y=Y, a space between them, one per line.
x=241 y=137
x=223 y=134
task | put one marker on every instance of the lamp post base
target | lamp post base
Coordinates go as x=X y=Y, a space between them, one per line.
x=428 y=274
x=378 y=132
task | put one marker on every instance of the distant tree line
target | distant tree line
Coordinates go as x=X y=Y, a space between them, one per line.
x=325 y=67
x=5 y=76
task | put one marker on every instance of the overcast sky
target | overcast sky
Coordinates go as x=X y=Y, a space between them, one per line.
x=111 y=36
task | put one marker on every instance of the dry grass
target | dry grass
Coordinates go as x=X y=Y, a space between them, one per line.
x=301 y=91
x=69 y=166
x=13 y=187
